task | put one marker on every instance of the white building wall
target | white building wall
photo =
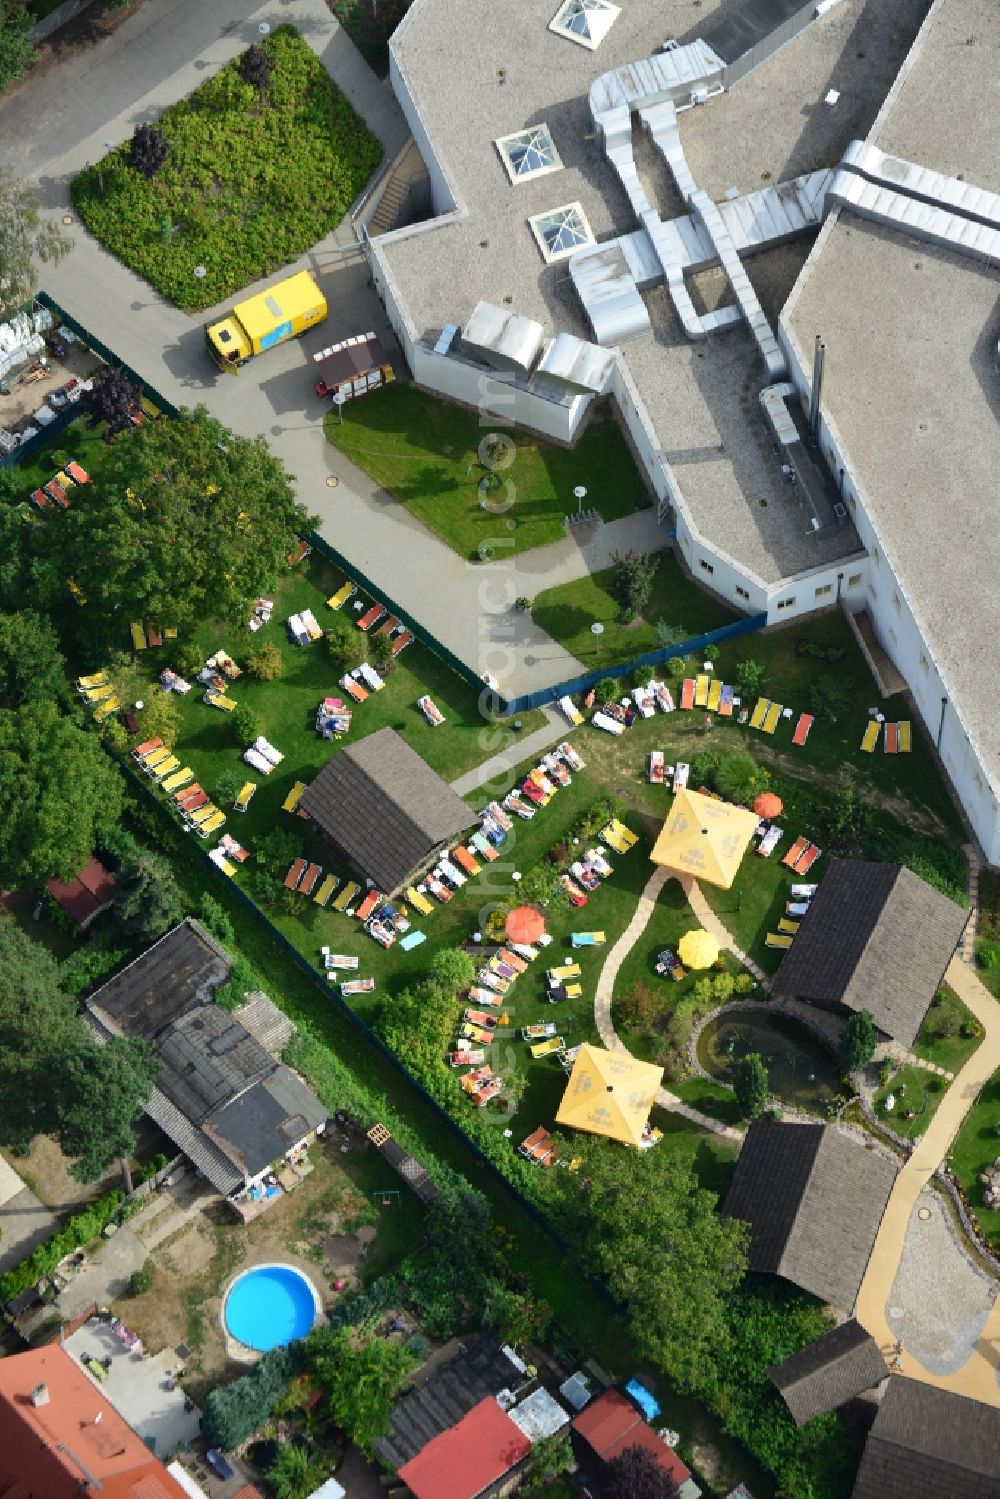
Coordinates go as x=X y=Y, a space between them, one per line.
x=443 y=196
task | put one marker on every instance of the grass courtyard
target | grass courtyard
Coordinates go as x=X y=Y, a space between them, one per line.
x=251 y=180
x=426 y=454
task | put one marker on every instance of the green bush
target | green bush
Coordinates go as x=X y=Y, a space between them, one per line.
x=265 y=661
x=79 y=1230
x=643 y=675
x=246 y=725
x=987 y=953
x=233 y=1412
x=606 y=689
x=142 y=1280
x=676 y=667
x=90 y=966
x=16 y=46
x=249 y=184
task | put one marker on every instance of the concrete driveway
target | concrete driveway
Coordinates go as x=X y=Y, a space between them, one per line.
x=24 y=1221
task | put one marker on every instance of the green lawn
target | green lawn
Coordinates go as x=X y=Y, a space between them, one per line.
x=250 y=183
x=976 y=1147
x=917 y=1093
x=940 y=1038
x=567 y=613
x=425 y=453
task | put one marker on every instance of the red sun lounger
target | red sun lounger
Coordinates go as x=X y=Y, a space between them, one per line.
x=687 y=693
x=77 y=474
x=368 y=905
x=57 y=493
x=891 y=738
x=368 y=619
x=41 y=499
x=388 y=625
x=401 y=642
x=309 y=879
x=193 y=803
x=807 y=860
x=802 y=728
x=142 y=750
x=295 y=874
x=795 y=853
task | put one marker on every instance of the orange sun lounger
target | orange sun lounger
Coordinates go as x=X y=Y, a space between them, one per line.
x=802 y=728
x=687 y=692
x=795 y=853
x=401 y=641
x=370 y=616
x=464 y=860
x=808 y=859
x=295 y=874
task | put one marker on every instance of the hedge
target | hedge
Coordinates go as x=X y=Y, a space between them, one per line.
x=81 y=1229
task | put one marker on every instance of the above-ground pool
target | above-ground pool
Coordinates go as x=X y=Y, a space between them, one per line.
x=800 y=1070
x=269 y=1307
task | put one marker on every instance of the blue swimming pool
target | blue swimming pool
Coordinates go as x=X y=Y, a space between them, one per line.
x=269 y=1307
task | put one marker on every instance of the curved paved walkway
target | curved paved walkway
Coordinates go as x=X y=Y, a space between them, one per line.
x=711 y=923
x=605 y=987
x=979 y=1377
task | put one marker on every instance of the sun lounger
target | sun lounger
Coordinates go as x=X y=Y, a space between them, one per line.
x=483 y=847
x=387 y=626
x=297 y=630
x=804 y=892
x=77 y=474
x=770 y=841
x=138 y=636
x=478 y=1033
x=177 y=779
x=513 y=960
x=541 y=1031
x=266 y=748
x=419 y=901
x=411 y=940
x=56 y=492
x=166 y=767
x=609 y=725
x=156 y=757
x=295 y=874
x=245 y=796
x=147 y=748
x=870 y=739
x=539 y=1147
x=219 y=700
x=438 y=889
x=371 y=677
x=466 y=1056
x=85 y=684
x=802 y=728
x=292 y=799
x=325 y=890
x=308 y=882
x=358 y=986
x=187 y=794
x=611 y=838
x=430 y=710
x=644 y=701
x=625 y=833
x=891 y=742
x=97 y=694
x=795 y=853
x=777 y=939
x=111 y=705
x=256 y=759
x=480 y=1018
x=234 y=849
x=41 y=499
x=368 y=905
x=682 y=771
x=310 y=624
x=339 y=599
x=465 y=860
x=571 y=711
x=808 y=859
x=401 y=641
x=353 y=688
x=701 y=690
x=788 y=926
x=564 y=971
x=195 y=796
x=346 y=895
x=759 y=713
x=201 y=813
x=714 y=695
x=451 y=874
x=587 y=939
x=63 y=478
x=656 y=771
x=772 y=718
x=687 y=693
x=797 y=908
x=570 y=756
x=370 y=616
x=153 y=633
x=546 y=1048
x=661 y=692
x=726 y=701
x=905 y=738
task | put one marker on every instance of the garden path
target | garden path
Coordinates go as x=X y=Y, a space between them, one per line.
x=979 y=1377
x=602 y=1002
x=714 y=927
x=498 y=767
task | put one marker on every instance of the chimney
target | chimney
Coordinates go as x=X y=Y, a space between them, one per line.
x=40 y=1395
x=817 y=388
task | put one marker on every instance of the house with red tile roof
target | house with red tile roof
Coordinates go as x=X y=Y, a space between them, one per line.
x=606 y=1427
x=61 y=1439
x=86 y=896
x=473 y=1458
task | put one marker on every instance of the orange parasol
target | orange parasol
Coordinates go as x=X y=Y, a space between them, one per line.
x=524 y=924
x=767 y=804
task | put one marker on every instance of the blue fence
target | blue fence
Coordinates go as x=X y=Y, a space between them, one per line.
x=625 y=668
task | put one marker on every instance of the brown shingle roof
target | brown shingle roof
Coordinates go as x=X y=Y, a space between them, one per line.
x=814 y=1199
x=876 y=937
x=929 y=1444
x=177 y=974
x=829 y=1372
x=384 y=807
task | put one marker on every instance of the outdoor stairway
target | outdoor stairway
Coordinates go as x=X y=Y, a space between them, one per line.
x=385 y=216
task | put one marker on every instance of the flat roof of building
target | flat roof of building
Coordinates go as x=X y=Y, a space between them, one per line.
x=701 y=399
x=911 y=390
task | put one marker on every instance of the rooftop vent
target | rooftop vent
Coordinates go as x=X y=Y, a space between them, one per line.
x=561 y=231
x=585 y=21
x=40 y=1395
x=528 y=153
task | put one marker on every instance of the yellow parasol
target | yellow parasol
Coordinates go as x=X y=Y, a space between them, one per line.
x=704 y=837
x=609 y=1093
x=697 y=949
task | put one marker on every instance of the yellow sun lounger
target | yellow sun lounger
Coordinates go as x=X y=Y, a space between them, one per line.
x=346 y=895
x=246 y=794
x=905 y=739
x=625 y=834
x=788 y=926
x=157 y=757
x=563 y=972
x=292 y=799
x=325 y=890
x=106 y=709
x=98 y=679
x=701 y=691
x=613 y=841
x=177 y=779
x=212 y=824
x=419 y=902
x=339 y=599
x=97 y=694
x=777 y=939
x=138 y=636
x=547 y=1048
x=202 y=814
x=870 y=740
x=166 y=766
x=714 y=695
x=218 y=700
x=771 y=718
x=759 y=713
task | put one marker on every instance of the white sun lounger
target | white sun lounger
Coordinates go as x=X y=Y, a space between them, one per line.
x=610 y=725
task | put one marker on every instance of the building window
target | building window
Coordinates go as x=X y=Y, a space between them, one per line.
x=854 y=581
x=743 y=593
x=786 y=603
x=896 y=604
x=875 y=556
x=706 y=567
x=561 y=231
x=924 y=667
x=529 y=153
x=892 y=636
x=979 y=782
x=585 y=21
x=823 y=590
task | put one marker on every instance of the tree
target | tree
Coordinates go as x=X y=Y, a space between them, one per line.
x=159 y=718
x=635 y=1474
x=188 y=522
x=843 y=816
x=229 y=783
x=828 y=696
x=605 y=690
x=739 y=778
x=858 y=1041
x=58 y=793
x=344 y=642
x=112 y=400
x=749 y=676
x=452 y=969
x=380 y=653
x=265 y=661
x=256 y=67
x=100 y=1092
x=233 y=1412
x=668 y=635
x=296 y=1472
x=246 y=724
x=359 y=1378
x=655 y=1235
x=38 y=1024
x=517 y=1316
x=147 y=900
x=633 y=580
x=25 y=236
x=149 y=150
x=550 y=1458
x=213 y=915
x=676 y=667
x=32 y=668
x=751 y=1085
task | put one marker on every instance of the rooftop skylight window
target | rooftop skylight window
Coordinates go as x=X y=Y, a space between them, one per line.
x=561 y=231
x=529 y=153
x=585 y=21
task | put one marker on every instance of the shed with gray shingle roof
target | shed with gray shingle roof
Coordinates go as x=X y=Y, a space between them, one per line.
x=383 y=810
x=814 y=1199
x=876 y=937
x=829 y=1372
x=927 y=1443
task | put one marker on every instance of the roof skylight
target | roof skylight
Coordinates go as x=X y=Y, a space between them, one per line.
x=561 y=231
x=529 y=153
x=585 y=21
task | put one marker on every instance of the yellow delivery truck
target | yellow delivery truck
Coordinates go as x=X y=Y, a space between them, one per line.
x=270 y=318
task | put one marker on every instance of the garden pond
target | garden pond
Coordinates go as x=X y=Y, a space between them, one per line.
x=802 y=1073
